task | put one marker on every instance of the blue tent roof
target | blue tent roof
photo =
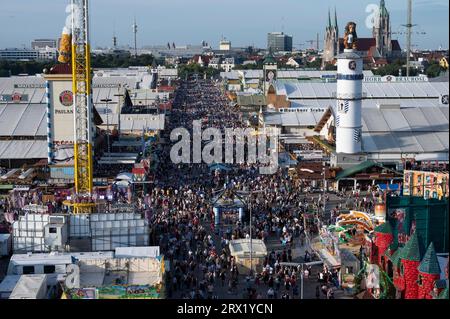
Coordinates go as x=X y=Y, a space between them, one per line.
x=222 y=167
x=392 y=187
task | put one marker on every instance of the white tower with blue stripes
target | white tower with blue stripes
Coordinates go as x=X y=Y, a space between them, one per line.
x=348 y=102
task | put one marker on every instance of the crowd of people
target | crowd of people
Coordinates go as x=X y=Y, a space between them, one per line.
x=179 y=211
x=180 y=215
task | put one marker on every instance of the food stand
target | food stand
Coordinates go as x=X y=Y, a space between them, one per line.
x=240 y=250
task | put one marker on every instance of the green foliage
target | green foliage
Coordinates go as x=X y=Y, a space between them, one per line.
x=393 y=69
x=257 y=66
x=195 y=68
x=316 y=64
x=97 y=61
x=433 y=70
x=330 y=67
x=121 y=61
x=387 y=286
x=21 y=67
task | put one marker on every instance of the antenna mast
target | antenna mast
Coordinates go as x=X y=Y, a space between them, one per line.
x=135 y=37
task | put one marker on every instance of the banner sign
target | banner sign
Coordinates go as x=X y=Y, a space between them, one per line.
x=391 y=78
x=15 y=97
x=29 y=86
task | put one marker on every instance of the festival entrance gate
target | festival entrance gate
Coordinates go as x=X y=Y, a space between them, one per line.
x=227 y=201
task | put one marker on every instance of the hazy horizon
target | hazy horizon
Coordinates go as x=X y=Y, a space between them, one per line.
x=191 y=22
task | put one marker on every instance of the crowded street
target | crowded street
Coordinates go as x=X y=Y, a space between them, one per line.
x=182 y=222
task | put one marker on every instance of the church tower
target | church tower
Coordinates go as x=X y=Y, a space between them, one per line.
x=382 y=31
x=270 y=71
x=331 y=45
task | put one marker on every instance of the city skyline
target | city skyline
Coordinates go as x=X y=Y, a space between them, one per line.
x=248 y=25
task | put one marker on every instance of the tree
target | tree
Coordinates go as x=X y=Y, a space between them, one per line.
x=97 y=61
x=195 y=68
x=257 y=66
x=433 y=70
x=330 y=67
x=316 y=64
x=394 y=69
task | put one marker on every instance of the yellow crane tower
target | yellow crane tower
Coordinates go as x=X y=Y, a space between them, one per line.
x=82 y=108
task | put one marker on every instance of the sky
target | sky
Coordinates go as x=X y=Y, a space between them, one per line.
x=243 y=22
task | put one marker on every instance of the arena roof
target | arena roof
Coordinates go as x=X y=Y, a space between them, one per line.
x=23 y=120
x=405 y=130
x=34 y=88
x=387 y=130
x=140 y=122
x=19 y=149
x=282 y=74
x=411 y=102
x=293 y=118
x=380 y=90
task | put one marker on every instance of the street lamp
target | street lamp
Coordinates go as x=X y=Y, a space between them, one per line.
x=249 y=194
x=107 y=100
x=312 y=263
x=120 y=108
x=324 y=187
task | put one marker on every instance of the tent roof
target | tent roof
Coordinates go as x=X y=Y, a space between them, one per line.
x=355 y=169
x=444 y=294
x=430 y=263
x=412 y=250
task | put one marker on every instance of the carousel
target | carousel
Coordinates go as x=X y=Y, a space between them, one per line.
x=228 y=207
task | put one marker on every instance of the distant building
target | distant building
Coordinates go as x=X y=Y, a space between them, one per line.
x=214 y=63
x=19 y=54
x=382 y=31
x=43 y=43
x=15 y=54
x=226 y=64
x=202 y=60
x=278 y=41
x=294 y=62
x=380 y=45
x=331 y=45
x=270 y=70
x=225 y=45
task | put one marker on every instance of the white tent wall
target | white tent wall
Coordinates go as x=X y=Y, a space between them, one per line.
x=5 y=244
x=28 y=233
x=30 y=287
x=118 y=230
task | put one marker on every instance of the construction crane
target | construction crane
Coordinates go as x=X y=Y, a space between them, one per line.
x=312 y=42
x=82 y=108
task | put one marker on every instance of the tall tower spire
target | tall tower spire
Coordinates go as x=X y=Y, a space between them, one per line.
x=329 y=19
x=114 y=36
x=336 y=23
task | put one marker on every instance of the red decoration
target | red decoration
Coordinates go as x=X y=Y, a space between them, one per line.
x=427 y=285
x=410 y=275
x=382 y=241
